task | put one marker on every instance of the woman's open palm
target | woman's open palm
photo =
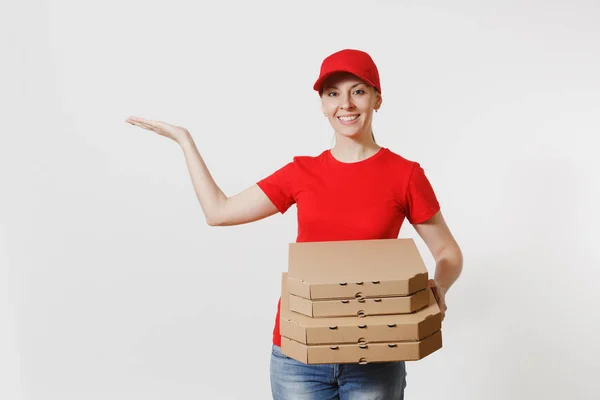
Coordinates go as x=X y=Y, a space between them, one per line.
x=176 y=133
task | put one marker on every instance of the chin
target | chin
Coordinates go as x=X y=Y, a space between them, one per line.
x=349 y=132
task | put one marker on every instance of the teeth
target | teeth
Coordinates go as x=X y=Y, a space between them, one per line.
x=348 y=118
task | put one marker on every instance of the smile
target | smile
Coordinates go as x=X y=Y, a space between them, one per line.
x=348 y=119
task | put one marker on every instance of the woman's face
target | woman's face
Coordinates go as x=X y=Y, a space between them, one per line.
x=349 y=103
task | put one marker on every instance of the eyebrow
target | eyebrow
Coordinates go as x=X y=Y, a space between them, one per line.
x=353 y=86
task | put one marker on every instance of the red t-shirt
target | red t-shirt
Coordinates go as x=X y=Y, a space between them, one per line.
x=368 y=199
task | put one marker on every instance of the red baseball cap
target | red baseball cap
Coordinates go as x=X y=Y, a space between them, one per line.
x=356 y=62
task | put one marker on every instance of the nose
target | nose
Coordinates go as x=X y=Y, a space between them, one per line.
x=346 y=102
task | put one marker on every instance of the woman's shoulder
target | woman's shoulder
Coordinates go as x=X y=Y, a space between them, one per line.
x=307 y=159
x=399 y=159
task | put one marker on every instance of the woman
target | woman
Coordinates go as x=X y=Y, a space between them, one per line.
x=355 y=191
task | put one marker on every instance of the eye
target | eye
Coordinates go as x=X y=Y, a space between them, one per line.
x=359 y=91
x=331 y=94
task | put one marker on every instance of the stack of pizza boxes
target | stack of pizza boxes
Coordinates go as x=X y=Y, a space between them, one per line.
x=358 y=301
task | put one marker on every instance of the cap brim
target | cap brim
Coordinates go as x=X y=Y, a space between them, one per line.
x=318 y=85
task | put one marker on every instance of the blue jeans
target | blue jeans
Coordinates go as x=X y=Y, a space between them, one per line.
x=294 y=380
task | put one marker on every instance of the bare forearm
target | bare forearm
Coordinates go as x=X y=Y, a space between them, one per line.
x=210 y=196
x=448 y=268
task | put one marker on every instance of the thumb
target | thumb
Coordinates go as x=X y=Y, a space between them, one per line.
x=433 y=288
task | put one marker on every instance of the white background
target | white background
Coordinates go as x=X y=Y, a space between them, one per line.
x=113 y=286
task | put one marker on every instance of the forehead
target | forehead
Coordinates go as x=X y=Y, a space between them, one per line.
x=339 y=79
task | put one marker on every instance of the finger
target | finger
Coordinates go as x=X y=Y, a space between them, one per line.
x=143 y=125
x=152 y=125
x=147 y=126
x=137 y=119
x=143 y=121
x=435 y=293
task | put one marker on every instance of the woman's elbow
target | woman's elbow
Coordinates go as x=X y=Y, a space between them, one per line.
x=213 y=220
x=451 y=254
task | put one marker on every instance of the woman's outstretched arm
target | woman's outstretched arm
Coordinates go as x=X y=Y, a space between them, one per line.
x=247 y=206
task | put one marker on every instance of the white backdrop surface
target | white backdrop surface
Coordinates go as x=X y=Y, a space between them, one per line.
x=113 y=286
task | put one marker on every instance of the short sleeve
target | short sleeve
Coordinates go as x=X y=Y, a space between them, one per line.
x=279 y=187
x=421 y=200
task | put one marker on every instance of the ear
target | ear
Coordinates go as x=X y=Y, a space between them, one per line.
x=378 y=101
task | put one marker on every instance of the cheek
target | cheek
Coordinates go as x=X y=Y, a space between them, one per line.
x=368 y=104
x=329 y=108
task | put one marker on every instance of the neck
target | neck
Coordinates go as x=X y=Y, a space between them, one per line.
x=352 y=149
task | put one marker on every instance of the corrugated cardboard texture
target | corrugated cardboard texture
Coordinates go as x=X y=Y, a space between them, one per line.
x=372 y=268
x=362 y=353
x=359 y=307
x=370 y=329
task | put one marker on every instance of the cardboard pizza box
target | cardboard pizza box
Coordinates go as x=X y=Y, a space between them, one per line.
x=370 y=269
x=359 y=307
x=362 y=353
x=356 y=329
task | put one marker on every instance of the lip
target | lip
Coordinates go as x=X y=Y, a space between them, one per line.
x=348 y=122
